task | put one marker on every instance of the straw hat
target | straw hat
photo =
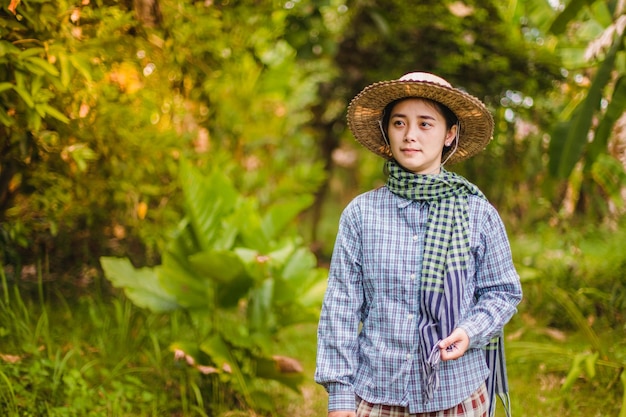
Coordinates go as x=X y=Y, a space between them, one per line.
x=366 y=111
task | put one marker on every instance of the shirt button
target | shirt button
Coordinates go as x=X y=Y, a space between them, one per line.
x=408 y=356
x=410 y=316
x=415 y=238
x=412 y=276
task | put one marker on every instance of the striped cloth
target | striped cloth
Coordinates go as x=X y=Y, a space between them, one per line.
x=446 y=252
x=476 y=405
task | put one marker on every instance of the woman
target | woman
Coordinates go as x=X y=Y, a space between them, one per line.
x=421 y=281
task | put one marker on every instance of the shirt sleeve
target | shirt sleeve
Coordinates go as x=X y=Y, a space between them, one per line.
x=498 y=289
x=337 y=345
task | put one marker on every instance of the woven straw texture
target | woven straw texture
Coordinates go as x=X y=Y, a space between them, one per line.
x=365 y=112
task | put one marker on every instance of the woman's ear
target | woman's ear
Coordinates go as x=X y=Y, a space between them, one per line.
x=451 y=135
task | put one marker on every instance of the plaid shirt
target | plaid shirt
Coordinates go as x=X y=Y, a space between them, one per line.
x=367 y=334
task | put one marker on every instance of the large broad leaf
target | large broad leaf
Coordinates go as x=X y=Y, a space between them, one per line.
x=218 y=265
x=141 y=286
x=296 y=275
x=281 y=214
x=184 y=284
x=228 y=273
x=261 y=316
x=577 y=134
x=251 y=233
x=207 y=201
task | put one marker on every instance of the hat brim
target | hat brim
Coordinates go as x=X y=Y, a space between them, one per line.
x=366 y=110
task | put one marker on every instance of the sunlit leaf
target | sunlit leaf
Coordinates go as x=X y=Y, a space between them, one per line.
x=207 y=201
x=221 y=266
x=281 y=214
x=574 y=372
x=590 y=364
x=82 y=65
x=44 y=65
x=7 y=48
x=51 y=111
x=25 y=95
x=140 y=285
x=184 y=284
x=261 y=316
x=4 y=86
x=251 y=231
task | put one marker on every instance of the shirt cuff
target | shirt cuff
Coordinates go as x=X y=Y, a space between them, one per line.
x=341 y=397
x=475 y=342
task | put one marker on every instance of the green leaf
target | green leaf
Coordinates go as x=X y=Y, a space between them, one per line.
x=572 y=310
x=220 y=353
x=609 y=173
x=207 y=201
x=5 y=86
x=252 y=235
x=299 y=265
x=264 y=401
x=281 y=214
x=287 y=371
x=7 y=48
x=221 y=266
x=567 y=15
x=44 y=65
x=574 y=372
x=82 y=65
x=30 y=52
x=313 y=295
x=613 y=112
x=51 y=111
x=5 y=119
x=261 y=317
x=25 y=95
x=185 y=286
x=581 y=121
x=590 y=364
x=64 y=63
x=141 y=286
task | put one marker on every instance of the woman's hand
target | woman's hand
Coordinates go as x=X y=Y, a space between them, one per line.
x=342 y=413
x=454 y=346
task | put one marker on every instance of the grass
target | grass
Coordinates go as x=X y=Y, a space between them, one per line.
x=104 y=357
x=96 y=354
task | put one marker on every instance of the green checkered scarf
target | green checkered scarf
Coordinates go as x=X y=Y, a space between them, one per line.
x=446 y=253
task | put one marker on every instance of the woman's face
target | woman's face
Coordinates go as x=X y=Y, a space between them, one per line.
x=417 y=132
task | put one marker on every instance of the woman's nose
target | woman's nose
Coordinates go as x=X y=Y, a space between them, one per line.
x=411 y=134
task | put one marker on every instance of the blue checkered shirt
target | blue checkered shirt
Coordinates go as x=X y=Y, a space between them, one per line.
x=367 y=334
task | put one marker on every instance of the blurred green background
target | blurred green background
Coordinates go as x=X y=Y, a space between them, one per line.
x=172 y=174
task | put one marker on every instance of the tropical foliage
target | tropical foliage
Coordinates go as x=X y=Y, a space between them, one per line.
x=240 y=276
x=197 y=152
